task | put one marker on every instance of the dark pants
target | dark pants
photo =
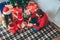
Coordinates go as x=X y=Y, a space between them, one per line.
x=34 y=21
x=7 y=17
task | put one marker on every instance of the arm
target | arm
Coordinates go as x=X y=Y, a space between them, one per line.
x=41 y=25
x=15 y=15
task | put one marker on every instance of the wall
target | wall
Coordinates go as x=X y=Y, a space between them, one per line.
x=57 y=18
x=51 y=7
x=3 y=0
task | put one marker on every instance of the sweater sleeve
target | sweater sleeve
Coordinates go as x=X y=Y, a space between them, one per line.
x=42 y=23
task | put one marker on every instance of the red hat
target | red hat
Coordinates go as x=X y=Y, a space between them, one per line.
x=5 y=9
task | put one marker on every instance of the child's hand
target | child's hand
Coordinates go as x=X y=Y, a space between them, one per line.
x=30 y=24
x=29 y=19
x=34 y=24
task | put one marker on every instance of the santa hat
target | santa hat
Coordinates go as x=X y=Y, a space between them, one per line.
x=5 y=9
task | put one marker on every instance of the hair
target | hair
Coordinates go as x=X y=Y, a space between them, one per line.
x=18 y=5
x=40 y=13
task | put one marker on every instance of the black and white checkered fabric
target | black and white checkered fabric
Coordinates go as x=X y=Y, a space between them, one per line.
x=46 y=33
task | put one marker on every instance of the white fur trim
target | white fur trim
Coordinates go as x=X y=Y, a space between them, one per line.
x=7 y=13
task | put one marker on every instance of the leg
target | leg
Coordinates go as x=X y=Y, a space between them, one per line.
x=6 y=20
x=11 y=17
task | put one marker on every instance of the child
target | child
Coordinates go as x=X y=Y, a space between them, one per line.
x=41 y=20
x=17 y=13
x=7 y=14
x=31 y=8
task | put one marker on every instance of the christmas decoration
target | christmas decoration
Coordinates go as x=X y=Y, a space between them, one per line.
x=23 y=3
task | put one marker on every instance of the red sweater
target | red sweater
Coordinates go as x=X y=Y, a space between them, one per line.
x=18 y=13
x=42 y=22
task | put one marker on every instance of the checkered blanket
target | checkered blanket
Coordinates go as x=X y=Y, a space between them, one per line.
x=46 y=33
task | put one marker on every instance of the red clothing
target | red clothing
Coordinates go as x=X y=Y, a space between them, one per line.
x=18 y=20
x=16 y=10
x=33 y=7
x=42 y=22
x=14 y=28
x=18 y=13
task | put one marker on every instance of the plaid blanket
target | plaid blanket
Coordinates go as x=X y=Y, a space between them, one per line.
x=46 y=33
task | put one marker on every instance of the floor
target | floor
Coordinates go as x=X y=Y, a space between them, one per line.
x=47 y=33
x=57 y=38
x=57 y=18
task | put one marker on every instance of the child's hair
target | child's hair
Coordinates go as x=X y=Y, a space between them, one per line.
x=40 y=13
x=17 y=5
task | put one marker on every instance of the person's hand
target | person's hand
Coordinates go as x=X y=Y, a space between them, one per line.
x=30 y=24
x=37 y=15
x=29 y=19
